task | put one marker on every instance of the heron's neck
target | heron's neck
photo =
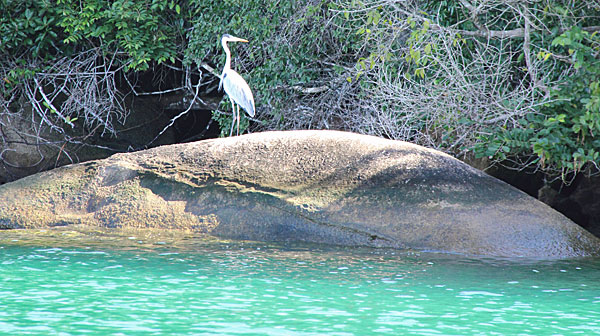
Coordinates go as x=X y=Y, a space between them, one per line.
x=227 y=57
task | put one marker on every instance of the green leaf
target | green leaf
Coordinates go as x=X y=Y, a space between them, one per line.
x=427 y=49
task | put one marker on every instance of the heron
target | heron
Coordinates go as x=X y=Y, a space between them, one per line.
x=235 y=86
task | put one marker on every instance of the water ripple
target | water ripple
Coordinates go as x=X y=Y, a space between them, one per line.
x=257 y=289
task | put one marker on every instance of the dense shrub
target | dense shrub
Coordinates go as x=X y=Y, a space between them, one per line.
x=62 y=59
x=513 y=81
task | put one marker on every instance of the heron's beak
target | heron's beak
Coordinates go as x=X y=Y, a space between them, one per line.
x=237 y=39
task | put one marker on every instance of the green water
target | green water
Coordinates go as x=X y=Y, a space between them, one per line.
x=170 y=287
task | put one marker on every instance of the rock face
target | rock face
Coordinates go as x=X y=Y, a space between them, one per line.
x=316 y=186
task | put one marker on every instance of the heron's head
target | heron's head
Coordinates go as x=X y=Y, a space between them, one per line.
x=229 y=38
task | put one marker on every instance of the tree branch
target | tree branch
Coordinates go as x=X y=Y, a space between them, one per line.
x=513 y=33
x=527 y=47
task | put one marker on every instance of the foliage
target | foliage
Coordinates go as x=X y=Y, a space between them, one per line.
x=28 y=28
x=512 y=81
x=61 y=63
x=289 y=43
x=144 y=30
x=561 y=135
x=509 y=82
x=256 y=21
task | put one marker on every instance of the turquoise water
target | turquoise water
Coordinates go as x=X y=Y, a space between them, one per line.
x=226 y=288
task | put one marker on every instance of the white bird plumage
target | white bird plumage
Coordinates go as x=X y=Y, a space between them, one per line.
x=235 y=86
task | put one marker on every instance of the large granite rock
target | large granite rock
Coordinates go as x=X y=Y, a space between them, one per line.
x=316 y=186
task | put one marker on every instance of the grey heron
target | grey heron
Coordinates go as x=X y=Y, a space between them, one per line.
x=235 y=86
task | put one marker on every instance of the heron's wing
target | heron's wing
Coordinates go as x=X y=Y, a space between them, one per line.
x=238 y=90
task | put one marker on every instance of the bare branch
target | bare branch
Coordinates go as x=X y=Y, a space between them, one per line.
x=527 y=45
x=181 y=114
x=310 y=90
x=50 y=105
x=500 y=34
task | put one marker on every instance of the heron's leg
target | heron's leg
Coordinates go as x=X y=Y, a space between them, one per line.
x=233 y=112
x=238 y=120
